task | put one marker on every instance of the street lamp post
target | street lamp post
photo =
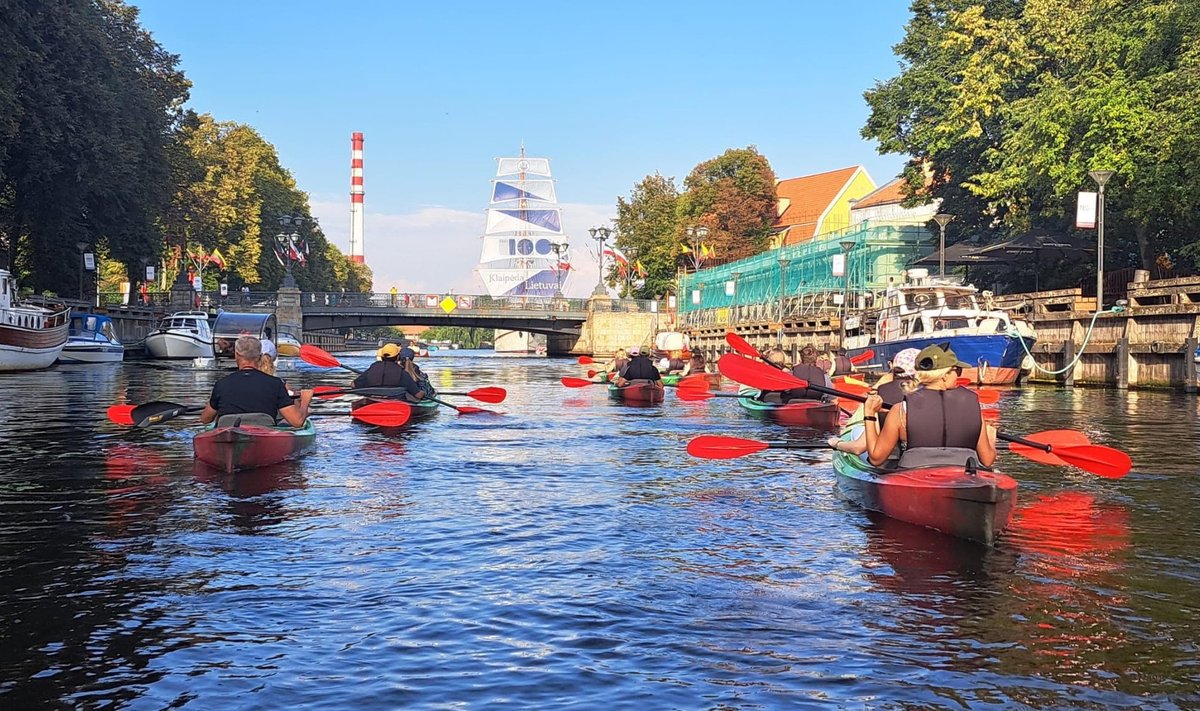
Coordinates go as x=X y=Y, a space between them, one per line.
x=288 y=246
x=847 y=245
x=942 y=219
x=1101 y=177
x=600 y=234
x=558 y=248
x=82 y=264
x=734 y=315
x=696 y=237
x=783 y=264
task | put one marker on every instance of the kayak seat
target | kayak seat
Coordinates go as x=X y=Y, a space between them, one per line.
x=938 y=457
x=257 y=419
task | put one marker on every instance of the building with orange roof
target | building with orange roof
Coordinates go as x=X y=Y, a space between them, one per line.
x=813 y=205
x=885 y=207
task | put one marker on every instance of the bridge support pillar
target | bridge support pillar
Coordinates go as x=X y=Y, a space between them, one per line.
x=288 y=313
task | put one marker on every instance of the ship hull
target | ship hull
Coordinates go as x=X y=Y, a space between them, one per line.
x=995 y=359
x=27 y=349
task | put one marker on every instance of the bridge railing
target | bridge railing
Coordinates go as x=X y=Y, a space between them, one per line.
x=464 y=302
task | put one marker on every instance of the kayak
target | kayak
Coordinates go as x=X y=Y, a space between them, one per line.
x=973 y=505
x=245 y=447
x=672 y=379
x=639 y=393
x=809 y=413
x=424 y=408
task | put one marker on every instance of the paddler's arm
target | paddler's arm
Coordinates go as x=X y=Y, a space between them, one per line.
x=986 y=447
x=208 y=415
x=880 y=443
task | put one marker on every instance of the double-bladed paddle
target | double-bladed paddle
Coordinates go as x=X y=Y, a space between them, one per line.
x=382 y=414
x=488 y=394
x=863 y=357
x=719 y=447
x=1097 y=459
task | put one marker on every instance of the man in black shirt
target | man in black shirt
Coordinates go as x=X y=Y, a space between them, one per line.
x=251 y=390
x=639 y=368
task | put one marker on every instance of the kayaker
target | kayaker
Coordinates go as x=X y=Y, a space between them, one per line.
x=807 y=369
x=891 y=387
x=386 y=372
x=619 y=360
x=267 y=362
x=639 y=370
x=695 y=365
x=672 y=363
x=419 y=378
x=841 y=364
x=250 y=390
x=940 y=422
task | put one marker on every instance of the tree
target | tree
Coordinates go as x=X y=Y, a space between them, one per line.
x=646 y=232
x=734 y=196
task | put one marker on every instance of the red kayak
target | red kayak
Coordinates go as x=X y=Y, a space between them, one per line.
x=641 y=393
x=973 y=505
x=244 y=447
x=805 y=413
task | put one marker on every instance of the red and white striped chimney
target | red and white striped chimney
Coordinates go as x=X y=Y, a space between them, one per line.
x=356 y=197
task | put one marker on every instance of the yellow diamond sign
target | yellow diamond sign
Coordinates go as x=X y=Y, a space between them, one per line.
x=448 y=304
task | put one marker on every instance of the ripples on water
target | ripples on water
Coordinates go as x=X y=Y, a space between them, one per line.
x=570 y=553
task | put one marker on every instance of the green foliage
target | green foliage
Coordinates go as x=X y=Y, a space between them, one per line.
x=734 y=196
x=465 y=337
x=646 y=229
x=1012 y=102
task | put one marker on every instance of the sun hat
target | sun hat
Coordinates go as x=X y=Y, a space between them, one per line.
x=268 y=347
x=407 y=353
x=905 y=362
x=938 y=357
x=390 y=350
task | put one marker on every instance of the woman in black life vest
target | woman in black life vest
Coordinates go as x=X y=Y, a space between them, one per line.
x=941 y=422
x=807 y=369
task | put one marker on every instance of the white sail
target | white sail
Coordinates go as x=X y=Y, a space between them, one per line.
x=528 y=166
x=508 y=190
x=524 y=251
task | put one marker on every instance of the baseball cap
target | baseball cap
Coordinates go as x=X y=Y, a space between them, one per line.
x=407 y=353
x=635 y=350
x=391 y=350
x=905 y=362
x=937 y=357
x=268 y=347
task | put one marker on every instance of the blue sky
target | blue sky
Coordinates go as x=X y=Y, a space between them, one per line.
x=609 y=92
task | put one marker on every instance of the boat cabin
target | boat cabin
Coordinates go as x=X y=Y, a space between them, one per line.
x=93 y=327
x=193 y=322
x=229 y=325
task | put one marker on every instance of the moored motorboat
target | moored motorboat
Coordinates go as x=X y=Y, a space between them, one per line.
x=637 y=392
x=185 y=334
x=92 y=339
x=31 y=337
x=242 y=447
x=976 y=505
x=808 y=413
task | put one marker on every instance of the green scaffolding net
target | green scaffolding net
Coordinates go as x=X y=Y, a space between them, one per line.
x=876 y=255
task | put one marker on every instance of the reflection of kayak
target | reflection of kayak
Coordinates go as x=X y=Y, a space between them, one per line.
x=976 y=506
x=811 y=413
x=637 y=392
x=421 y=409
x=249 y=446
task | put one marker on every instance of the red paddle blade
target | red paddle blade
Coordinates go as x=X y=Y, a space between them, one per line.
x=848 y=406
x=693 y=394
x=990 y=415
x=1054 y=438
x=314 y=355
x=577 y=382
x=741 y=345
x=468 y=410
x=493 y=395
x=863 y=357
x=121 y=414
x=853 y=388
x=756 y=374
x=718 y=447
x=693 y=382
x=584 y=360
x=987 y=397
x=383 y=414
x=593 y=373
x=328 y=392
x=1100 y=460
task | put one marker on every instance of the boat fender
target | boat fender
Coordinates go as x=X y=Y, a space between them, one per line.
x=1156 y=347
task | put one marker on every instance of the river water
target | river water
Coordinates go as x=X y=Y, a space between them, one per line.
x=569 y=553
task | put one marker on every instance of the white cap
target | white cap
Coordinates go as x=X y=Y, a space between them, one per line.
x=268 y=347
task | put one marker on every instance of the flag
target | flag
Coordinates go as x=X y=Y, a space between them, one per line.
x=640 y=269
x=217 y=259
x=617 y=255
x=565 y=266
x=685 y=248
x=708 y=251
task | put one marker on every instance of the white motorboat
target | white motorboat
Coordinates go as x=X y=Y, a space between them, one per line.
x=185 y=334
x=31 y=337
x=92 y=339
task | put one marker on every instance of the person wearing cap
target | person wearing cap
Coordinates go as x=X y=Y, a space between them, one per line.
x=940 y=423
x=388 y=372
x=639 y=370
x=413 y=371
x=891 y=387
x=807 y=369
x=250 y=390
x=267 y=362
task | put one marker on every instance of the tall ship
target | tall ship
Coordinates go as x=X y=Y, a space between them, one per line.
x=31 y=337
x=524 y=247
x=928 y=311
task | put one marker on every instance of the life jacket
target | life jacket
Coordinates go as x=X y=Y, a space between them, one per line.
x=619 y=364
x=384 y=374
x=675 y=364
x=842 y=366
x=943 y=418
x=892 y=395
x=812 y=374
x=640 y=368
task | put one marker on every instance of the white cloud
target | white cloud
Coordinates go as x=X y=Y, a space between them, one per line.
x=436 y=249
